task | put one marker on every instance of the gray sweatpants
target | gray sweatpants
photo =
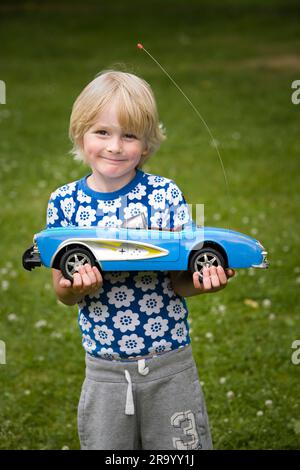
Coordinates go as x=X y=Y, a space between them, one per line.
x=155 y=404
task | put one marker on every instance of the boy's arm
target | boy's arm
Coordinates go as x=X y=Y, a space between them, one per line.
x=87 y=281
x=187 y=284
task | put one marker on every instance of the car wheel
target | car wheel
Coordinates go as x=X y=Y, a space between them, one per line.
x=73 y=259
x=206 y=257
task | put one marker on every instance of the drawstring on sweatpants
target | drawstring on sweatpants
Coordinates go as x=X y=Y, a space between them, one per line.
x=143 y=370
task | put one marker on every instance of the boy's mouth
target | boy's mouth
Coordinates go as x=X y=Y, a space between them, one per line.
x=113 y=160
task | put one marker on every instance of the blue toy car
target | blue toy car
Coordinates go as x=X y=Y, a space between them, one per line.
x=139 y=249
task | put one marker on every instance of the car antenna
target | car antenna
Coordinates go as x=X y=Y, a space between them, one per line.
x=213 y=140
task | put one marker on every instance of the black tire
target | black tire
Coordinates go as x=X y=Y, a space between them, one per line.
x=72 y=259
x=206 y=257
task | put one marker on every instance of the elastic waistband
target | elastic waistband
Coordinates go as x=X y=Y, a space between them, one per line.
x=171 y=362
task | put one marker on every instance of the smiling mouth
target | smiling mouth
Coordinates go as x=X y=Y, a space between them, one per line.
x=113 y=160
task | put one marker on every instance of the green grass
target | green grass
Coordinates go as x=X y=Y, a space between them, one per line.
x=223 y=55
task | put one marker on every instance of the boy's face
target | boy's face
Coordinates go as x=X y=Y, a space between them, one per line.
x=108 y=150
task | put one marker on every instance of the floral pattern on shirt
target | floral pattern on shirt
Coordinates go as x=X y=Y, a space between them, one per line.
x=134 y=313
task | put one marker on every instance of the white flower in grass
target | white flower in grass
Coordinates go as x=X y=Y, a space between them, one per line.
x=146 y=280
x=260 y=413
x=4 y=285
x=41 y=324
x=126 y=320
x=68 y=207
x=151 y=303
x=230 y=395
x=110 y=205
x=138 y=192
x=221 y=308
x=132 y=344
x=85 y=216
x=98 y=311
x=82 y=197
x=12 y=317
x=266 y=303
x=173 y=194
x=103 y=334
x=56 y=335
x=160 y=346
x=157 y=199
x=84 y=323
x=176 y=309
x=51 y=213
x=108 y=353
x=155 y=181
x=179 y=333
x=120 y=296
x=109 y=222
x=209 y=336
x=268 y=403
x=160 y=219
x=88 y=343
x=156 y=327
x=222 y=380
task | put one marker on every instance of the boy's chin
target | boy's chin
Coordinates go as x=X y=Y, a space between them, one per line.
x=115 y=172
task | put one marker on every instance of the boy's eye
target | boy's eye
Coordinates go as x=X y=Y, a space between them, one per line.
x=130 y=136
x=101 y=132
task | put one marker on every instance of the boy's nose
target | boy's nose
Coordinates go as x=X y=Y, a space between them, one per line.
x=114 y=146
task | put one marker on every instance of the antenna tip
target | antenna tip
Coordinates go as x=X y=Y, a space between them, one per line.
x=140 y=46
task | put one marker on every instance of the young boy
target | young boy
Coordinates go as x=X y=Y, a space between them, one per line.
x=141 y=389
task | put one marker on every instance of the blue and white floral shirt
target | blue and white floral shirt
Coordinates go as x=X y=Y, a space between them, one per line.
x=135 y=313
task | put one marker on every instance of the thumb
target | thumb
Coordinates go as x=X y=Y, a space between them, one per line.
x=230 y=272
x=65 y=282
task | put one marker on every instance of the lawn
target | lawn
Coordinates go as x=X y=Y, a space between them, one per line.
x=236 y=61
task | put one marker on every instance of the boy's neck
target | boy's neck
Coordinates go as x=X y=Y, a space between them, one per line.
x=108 y=185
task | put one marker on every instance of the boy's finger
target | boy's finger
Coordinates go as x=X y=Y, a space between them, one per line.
x=91 y=275
x=222 y=275
x=206 y=279
x=65 y=282
x=196 y=280
x=214 y=278
x=230 y=272
x=77 y=281
x=86 y=282
x=98 y=275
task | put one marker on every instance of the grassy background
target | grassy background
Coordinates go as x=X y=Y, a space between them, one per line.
x=236 y=61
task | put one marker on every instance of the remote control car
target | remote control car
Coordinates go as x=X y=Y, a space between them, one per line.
x=140 y=249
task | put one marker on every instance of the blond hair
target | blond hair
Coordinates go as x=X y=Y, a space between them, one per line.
x=137 y=111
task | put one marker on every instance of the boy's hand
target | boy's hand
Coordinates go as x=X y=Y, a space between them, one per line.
x=87 y=281
x=214 y=279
